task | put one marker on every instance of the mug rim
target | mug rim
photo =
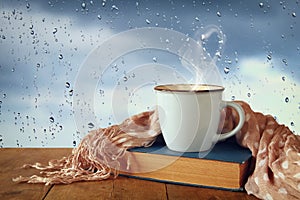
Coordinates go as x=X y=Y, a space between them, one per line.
x=194 y=88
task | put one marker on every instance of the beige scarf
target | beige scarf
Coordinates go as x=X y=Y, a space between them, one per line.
x=275 y=173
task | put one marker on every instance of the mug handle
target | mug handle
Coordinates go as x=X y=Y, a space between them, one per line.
x=241 y=113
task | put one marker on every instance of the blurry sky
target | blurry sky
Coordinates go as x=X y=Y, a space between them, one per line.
x=44 y=44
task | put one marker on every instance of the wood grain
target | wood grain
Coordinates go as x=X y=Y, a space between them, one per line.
x=11 y=162
x=121 y=188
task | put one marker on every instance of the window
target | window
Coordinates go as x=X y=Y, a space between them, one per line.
x=45 y=45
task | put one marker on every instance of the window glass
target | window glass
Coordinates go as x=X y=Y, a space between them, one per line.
x=45 y=45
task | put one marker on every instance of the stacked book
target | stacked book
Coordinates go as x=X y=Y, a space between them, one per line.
x=225 y=166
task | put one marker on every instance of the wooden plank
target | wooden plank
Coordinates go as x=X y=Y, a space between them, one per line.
x=130 y=188
x=82 y=190
x=121 y=188
x=12 y=159
x=184 y=192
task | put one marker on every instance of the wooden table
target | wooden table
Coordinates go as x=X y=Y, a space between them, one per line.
x=121 y=188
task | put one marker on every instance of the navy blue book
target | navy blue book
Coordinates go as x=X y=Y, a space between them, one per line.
x=225 y=166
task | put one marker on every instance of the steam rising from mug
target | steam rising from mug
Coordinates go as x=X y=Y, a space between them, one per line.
x=205 y=69
x=191 y=53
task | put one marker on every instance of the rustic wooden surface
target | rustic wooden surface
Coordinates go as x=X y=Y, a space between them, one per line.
x=121 y=188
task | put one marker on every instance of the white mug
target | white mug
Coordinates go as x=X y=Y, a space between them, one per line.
x=189 y=116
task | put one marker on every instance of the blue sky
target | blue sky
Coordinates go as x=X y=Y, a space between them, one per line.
x=44 y=44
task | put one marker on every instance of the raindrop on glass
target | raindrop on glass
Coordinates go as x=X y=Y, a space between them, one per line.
x=38 y=65
x=114 y=7
x=28 y=5
x=261 y=5
x=226 y=70
x=148 y=21
x=83 y=5
x=292 y=124
x=51 y=119
x=269 y=57
x=294 y=14
x=60 y=56
x=218 y=54
x=67 y=84
x=71 y=92
x=103 y=3
x=91 y=125
x=74 y=143
x=219 y=14
x=54 y=30
x=283 y=78
x=249 y=94
x=99 y=17
x=286 y=99
x=232 y=97
x=284 y=61
x=154 y=59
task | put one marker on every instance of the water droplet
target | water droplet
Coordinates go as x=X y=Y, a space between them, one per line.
x=269 y=57
x=292 y=124
x=284 y=61
x=91 y=125
x=232 y=98
x=197 y=19
x=67 y=84
x=28 y=5
x=226 y=70
x=148 y=21
x=99 y=17
x=218 y=54
x=54 y=30
x=249 y=94
x=51 y=119
x=261 y=5
x=71 y=93
x=38 y=65
x=286 y=99
x=294 y=14
x=83 y=5
x=74 y=143
x=114 y=7
x=101 y=92
x=60 y=56
x=219 y=14
x=283 y=78
x=103 y=3
x=154 y=59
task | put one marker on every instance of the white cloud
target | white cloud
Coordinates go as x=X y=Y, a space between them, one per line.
x=268 y=89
